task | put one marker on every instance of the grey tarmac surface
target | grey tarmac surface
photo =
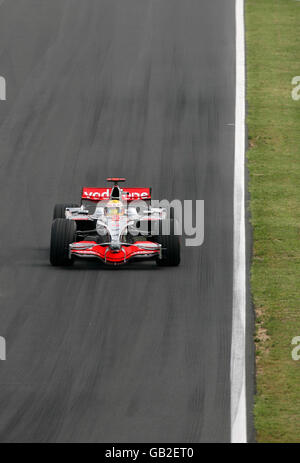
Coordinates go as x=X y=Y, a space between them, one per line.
x=141 y=89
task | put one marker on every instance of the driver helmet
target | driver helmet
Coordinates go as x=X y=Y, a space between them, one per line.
x=114 y=208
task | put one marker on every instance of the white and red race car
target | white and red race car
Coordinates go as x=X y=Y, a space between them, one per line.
x=121 y=227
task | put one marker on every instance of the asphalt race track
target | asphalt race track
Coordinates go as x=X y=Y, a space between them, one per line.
x=97 y=88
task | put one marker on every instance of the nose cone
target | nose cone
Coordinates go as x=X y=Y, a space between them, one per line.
x=115 y=246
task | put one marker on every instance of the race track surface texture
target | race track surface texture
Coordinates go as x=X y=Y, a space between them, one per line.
x=145 y=90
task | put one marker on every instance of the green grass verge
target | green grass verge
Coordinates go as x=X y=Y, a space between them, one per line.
x=273 y=59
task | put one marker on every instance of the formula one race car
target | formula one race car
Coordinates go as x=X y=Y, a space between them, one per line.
x=115 y=226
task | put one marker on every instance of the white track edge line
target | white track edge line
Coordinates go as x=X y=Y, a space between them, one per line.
x=238 y=342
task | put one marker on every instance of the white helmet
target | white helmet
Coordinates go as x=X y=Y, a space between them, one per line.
x=114 y=208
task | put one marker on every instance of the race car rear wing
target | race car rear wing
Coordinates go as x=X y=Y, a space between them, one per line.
x=128 y=194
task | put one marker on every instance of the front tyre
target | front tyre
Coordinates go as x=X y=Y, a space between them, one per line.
x=170 y=247
x=62 y=235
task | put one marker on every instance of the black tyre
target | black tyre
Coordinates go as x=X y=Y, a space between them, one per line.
x=172 y=213
x=59 y=210
x=171 y=246
x=62 y=234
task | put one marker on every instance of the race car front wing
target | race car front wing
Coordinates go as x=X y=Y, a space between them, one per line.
x=126 y=252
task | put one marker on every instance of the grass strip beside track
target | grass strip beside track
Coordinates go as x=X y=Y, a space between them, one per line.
x=273 y=59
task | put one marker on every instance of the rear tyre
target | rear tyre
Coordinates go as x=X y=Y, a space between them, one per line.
x=59 y=210
x=62 y=235
x=171 y=247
